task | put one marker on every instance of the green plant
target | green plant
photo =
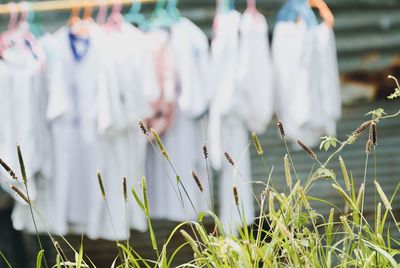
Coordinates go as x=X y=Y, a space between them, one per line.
x=288 y=231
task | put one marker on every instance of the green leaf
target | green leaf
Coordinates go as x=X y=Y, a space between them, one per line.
x=79 y=258
x=334 y=142
x=39 y=259
x=326 y=146
x=137 y=198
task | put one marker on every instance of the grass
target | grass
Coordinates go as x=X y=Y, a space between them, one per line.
x=288 y=231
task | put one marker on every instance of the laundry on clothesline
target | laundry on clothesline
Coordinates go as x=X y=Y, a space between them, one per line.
x=73 y=99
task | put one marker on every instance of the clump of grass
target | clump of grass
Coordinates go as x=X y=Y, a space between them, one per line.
x=296 y=234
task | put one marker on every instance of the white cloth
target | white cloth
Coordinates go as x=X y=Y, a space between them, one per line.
x=23 y=109
x=241 y=79
x=131 y=87
x=325 y=90
x=73 y=110
x=255 y=77
x=183 y=140
x=307 y=80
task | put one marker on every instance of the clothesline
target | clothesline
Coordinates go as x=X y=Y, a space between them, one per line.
x=45 y=6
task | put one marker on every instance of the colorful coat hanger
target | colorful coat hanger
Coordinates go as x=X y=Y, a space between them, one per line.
x=173 y=10
x=160 y=17
x=116 y=18
x=292 y=10
x=134 y=16
x=324 y=11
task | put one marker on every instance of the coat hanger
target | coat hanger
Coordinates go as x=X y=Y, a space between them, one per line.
x=23 y=18
x=74 y=16
x=251 y=7
x=221 y=6
x=160 y=17
x=13 y=19
x=102 y=13
x=87 y=13
x=6 y=38
x=134 y=16
x=28 y=40
x=324 y=11
x=172 y=10
x=116 y=18
x=224 y=6
x=293 y=10
x=77 y=26
x=35 y=27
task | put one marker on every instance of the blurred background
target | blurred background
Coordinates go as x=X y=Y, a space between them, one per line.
x=368 y=47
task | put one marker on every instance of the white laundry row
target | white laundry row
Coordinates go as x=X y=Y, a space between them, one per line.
x=74 y=110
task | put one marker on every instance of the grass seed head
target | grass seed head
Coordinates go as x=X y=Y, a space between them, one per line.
x=385 y=200
x=373 y=134
x=197 y=180
x=8 y=169
x=360 y=195
x=236 y=195
x=257 y=144
x=124 y=189
x=345 y=174
x=101 y=185
x=205 y=151
x=143 y=127
x=160 y=144
x=20 y=193
x=361 y=128
x=307 y=149
x=229 y=158
x=21 y=165
x=288 y=174
x=347 y=227
x=281 y=129
x=368 y=146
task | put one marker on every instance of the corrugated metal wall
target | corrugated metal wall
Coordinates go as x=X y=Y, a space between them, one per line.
x=368 y=40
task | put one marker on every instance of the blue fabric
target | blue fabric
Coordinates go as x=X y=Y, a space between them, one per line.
x=294 y=9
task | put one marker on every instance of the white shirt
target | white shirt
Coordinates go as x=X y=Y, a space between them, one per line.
x=307 y=80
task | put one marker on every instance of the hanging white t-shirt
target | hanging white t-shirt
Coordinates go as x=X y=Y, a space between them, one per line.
x=229 y=112
x=188 y=47
x=292 y=49
x=131 y=87
x=325 y=89
x=73 y=111
x=255 y=77
x=307 y=80
x=21 y=72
